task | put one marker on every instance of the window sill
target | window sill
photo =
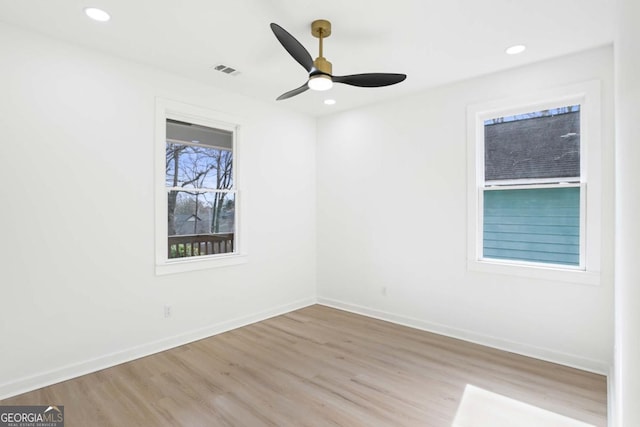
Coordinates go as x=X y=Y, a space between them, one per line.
x=536 y=272
x=193 y=264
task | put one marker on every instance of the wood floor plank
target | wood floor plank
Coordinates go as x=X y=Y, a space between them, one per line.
x=318 y=366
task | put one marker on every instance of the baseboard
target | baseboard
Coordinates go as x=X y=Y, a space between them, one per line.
x=548 y=355
x=43 y=379
x=612 y=410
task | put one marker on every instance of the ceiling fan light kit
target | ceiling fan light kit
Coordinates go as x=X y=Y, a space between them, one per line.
x=320 y=82
x=320 y=70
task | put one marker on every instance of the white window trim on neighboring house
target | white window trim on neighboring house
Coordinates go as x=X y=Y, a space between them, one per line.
x=588 y=96
x=169 y=109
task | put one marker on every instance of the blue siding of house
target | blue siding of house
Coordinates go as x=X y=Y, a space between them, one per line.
x=537 y=225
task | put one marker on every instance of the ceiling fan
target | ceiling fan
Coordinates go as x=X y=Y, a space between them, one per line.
x=320 y=70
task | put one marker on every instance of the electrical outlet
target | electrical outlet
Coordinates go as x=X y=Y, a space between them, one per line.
x=384 y=290
x=168 y=311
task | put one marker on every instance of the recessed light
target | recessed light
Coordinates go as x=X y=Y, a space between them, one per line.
x=97 y=14
x=329 y=101
x=516 y=49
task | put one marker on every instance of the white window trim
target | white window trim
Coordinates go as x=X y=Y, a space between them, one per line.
x=588 y=96
x=169 y=109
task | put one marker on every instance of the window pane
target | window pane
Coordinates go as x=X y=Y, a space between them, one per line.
x=200 y=223
x=540 y=144
x=193 y=166
x=536 y=225
x=178 y=131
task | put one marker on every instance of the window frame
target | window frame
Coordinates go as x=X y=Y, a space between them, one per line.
x=169 y=109
x=588 y=96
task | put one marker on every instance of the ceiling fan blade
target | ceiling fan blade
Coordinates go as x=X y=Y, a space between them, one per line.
x=293 y=46
x=293 y=92
x=370 y=79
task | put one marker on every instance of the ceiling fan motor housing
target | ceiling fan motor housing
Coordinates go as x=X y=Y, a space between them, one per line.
x=322 y=65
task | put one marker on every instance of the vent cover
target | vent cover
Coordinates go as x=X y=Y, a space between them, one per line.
x=226 y=69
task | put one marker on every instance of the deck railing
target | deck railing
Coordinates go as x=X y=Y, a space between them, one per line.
x=200 y=244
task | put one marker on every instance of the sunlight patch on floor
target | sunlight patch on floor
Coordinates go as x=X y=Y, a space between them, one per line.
x=482 y=408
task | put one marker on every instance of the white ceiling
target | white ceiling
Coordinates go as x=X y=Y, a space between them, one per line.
x=432 y=42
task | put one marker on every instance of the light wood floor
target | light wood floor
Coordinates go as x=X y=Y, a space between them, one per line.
x=314 y=367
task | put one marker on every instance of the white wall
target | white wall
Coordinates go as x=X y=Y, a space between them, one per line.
x=627 y=360
x=392 y=221
x=77 y=281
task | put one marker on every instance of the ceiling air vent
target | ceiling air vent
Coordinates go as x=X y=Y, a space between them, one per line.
x=227 y=70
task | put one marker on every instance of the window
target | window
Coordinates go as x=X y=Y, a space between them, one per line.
x=528 y=187
x=200 y=190
x=197 y=206
x=531 y=190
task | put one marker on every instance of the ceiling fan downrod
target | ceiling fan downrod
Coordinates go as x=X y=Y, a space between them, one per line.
x=321 y=28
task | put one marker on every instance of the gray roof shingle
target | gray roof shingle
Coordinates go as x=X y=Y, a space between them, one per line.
x=540 y=147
